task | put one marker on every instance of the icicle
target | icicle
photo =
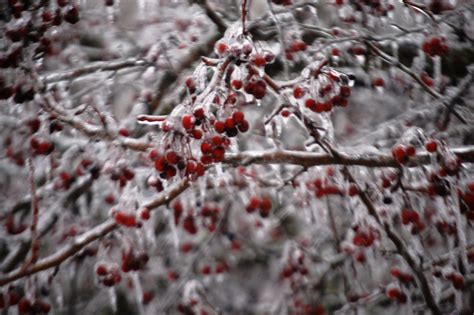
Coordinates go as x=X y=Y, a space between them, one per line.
x=174 y=231
x=113 y=299
x=459 y=223
x=437 y=72
x=139 y=292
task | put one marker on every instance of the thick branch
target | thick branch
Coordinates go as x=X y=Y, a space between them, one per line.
x=308 y=159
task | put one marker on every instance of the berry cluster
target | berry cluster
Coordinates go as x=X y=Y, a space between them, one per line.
x=365 y=238
x=108 y=276
x=402 y=153
x=403 y=277
x=134 y=261
x=170 y=163
x=323 y=188
x=435 y=46
x=122 y=175
x=16 y=296
x=394 y=292
x=41 y=146
x=292 y=268
x=125 y=219
x=410 y=216
x=262 y=204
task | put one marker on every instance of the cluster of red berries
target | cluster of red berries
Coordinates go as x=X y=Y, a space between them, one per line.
x=65 y=179
x=220 y=267
x=122 y=175
x=403 y=277
x=41 y=146
x=410 y=216
x=67 y=12
x=241 y=51
x=125 y=219
x=256 y=87
x=108 y=276
x=262 y=204
x=87 y=165
x=435 y=46
x=190 y=122
x=365 y=238
x=16 y=296
x=323 y=188
x=402 y=153
x=16 y=157
x=209 y=217
x=213 y=150
x=134 y=261
x=171 y=162
x=189 y=225
x=261 y=60
x=294 y=267
x=457 y=280
x=232 y=125
x=394 y=293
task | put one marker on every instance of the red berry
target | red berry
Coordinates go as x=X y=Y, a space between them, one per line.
x=124 y=132
x=345 y=91
x=188 y=122
x=237 y=84
x=259 y=60
x=206 y=270
x=400 y=154
x=244 y=126
x=24 y=306
x=378 y=82
x=393 y=293
x=199 y=113
x=431 y=146
x=310 y=103
x=353 y=190
x=238 y=117
x=229 y=123
x=285 y=113
x=101 y=270
x=219 y=126
x=197 y=134
x=411 y=150
x=298 y=92
x=222 y=48
x=145 y=214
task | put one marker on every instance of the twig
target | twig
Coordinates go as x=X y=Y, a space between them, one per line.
x=93 y=68
x=86 y=238
x=400 y=245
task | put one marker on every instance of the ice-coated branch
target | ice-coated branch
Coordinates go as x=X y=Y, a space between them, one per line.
x=308 y=159
x=400 y=246
x=101 y=66
x=80 y=241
